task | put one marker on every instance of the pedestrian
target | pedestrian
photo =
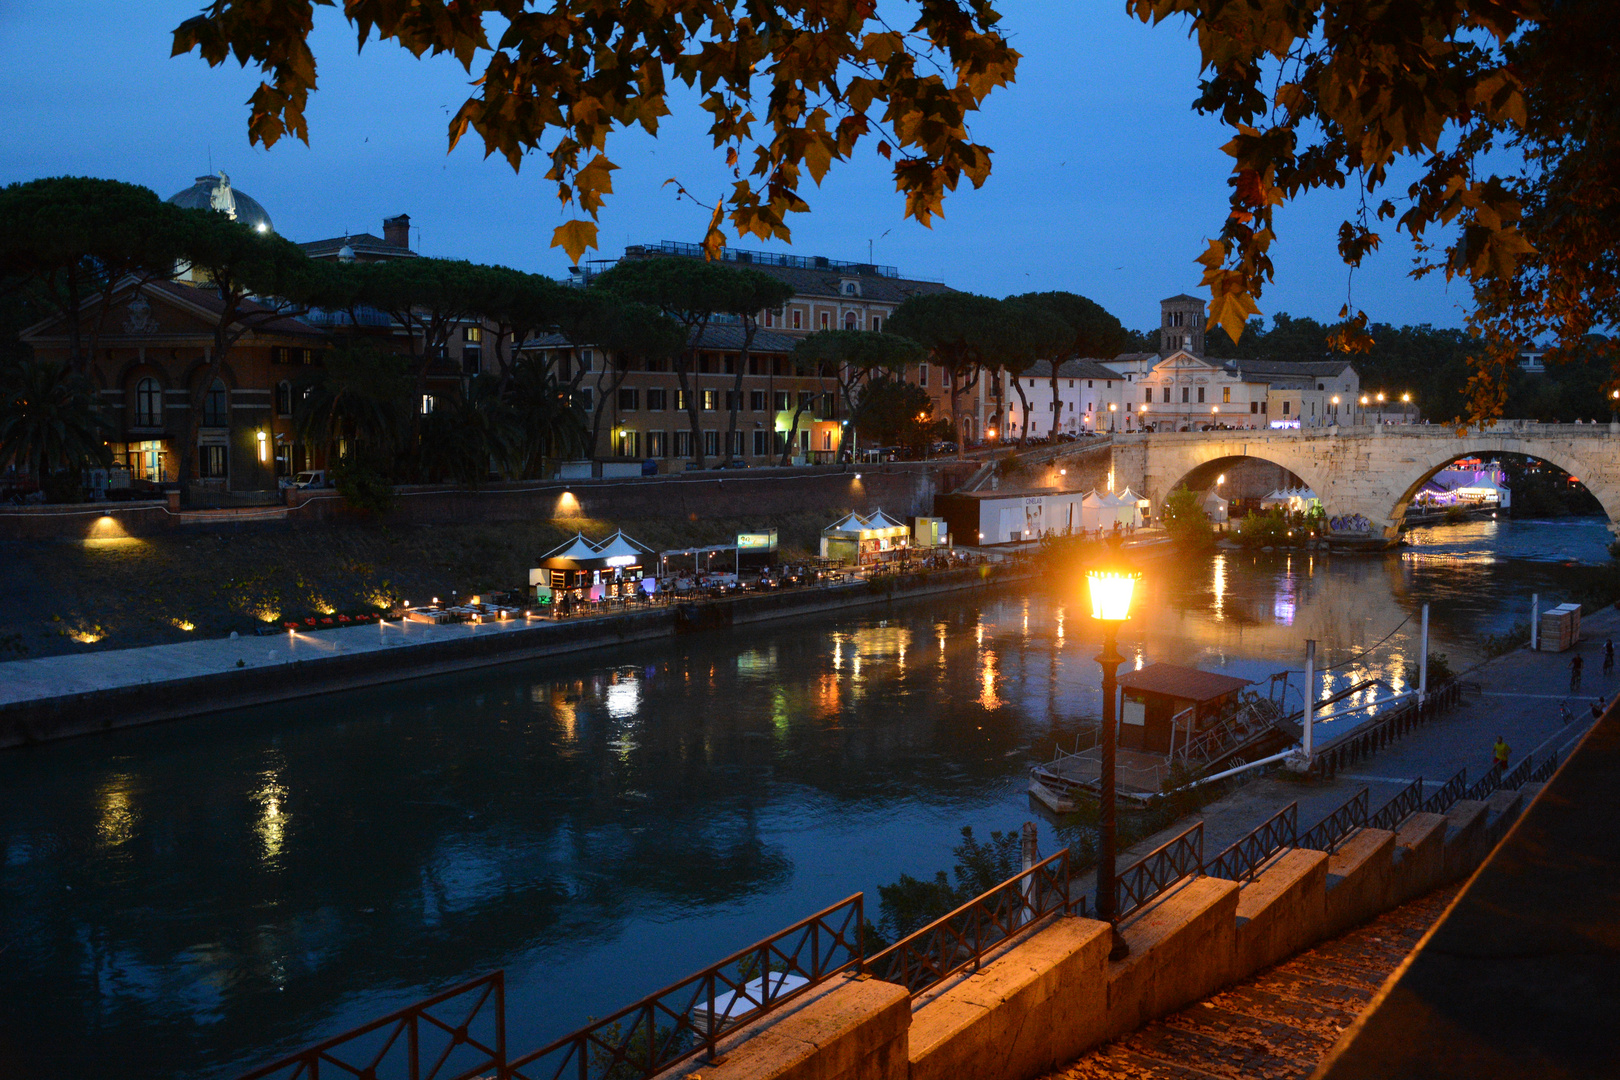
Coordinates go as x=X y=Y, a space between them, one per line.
x=1575 y=663
x=1608 y=657
x=1499 y=755
x=1564 y=713
x=1597 y=708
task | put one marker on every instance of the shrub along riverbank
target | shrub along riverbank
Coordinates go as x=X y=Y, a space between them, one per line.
x=75 y=597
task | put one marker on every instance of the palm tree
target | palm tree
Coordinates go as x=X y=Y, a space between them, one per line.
x=49 y=419
x=549 y=420
x=469 y=434
x=361 y=395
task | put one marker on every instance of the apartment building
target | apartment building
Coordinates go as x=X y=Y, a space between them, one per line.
x=641 y=413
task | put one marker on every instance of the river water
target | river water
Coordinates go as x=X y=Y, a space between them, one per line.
x=190 y=899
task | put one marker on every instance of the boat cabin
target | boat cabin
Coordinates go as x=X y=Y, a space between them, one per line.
x=1166 y=706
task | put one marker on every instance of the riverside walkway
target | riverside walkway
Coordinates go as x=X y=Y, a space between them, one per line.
x=1517 y=696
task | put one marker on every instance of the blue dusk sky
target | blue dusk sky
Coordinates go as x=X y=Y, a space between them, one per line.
x=1106 y=182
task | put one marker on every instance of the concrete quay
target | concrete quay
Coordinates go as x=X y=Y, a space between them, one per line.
x=57 y=697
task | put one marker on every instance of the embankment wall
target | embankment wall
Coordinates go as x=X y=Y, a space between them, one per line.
x=1055 y=994
x=903 y=490
x=45 y=719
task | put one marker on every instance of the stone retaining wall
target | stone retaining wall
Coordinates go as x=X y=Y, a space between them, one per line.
x=47 y=719
x=1054 y=995
x=904 y=490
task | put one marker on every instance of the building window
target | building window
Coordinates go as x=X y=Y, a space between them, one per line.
x=756 y=401
x=711 y=444
x=781 y=401
x=877 y=323
x=1200 y=395
x=683 y=444
x=798 y=319
x=283 y=459
x=733 y=400
x=711 y=400
x=807 y=401
x=627 y=398
x=473 y=334
x=736 y=444
x=284 y=398
x=1226 y=395
x=826 y=320
x=1254 y=406
x=472 y=359
x=657 y=444
x=762 y=442
x=587 y=399
x=849 y=288
x=922 y=374
x=148 y=403
x=1183 y=394
x=629 y=444
x=1285 y=408
x=586 y=359
x=1263 y=407
x=655 y=398
x=1150 y=395
x=680 y=400
x=427 y=404
x=849 y=320
x=217 y=406
x=211 y=462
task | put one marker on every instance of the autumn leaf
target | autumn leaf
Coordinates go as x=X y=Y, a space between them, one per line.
x=574 y=237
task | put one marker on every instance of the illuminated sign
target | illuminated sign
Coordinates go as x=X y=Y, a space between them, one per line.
x=622 y=560
x=765 y=541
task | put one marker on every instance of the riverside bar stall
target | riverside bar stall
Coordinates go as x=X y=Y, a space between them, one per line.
x=864 y=541
x=587 y=572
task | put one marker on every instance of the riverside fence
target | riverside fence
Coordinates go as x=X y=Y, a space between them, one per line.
x=461 y=1033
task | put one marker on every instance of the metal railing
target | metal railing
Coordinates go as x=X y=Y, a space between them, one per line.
x=1516 y=779
x=1368 y=738
x=1449 y=793
x=1408 y=802
x=455 y=1035
x=692 y=1015
x=1543 y=772
x=1327 y=834
x=1154 y=873
x=955 y=942
x=1483 y=787
x=1243 y=860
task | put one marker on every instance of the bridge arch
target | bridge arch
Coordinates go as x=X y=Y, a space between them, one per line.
x=1590 y=473
x=1204 y=474
x=1367 y=476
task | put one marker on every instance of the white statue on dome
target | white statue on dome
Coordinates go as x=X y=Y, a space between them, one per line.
x=222 y=197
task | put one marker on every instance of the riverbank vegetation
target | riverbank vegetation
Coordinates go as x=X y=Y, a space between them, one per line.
x=1185 y=521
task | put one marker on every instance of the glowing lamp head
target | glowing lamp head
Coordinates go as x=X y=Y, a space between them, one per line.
x=1111 y=594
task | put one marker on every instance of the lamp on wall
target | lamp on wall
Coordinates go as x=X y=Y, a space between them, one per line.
x=264 y=446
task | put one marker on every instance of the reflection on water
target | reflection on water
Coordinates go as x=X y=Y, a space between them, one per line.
x=187 y=899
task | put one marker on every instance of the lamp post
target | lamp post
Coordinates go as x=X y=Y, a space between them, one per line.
x=1112 y=427
x=1335 y=421
x=1406 y=414
x=1380 y=407
x=1111 y=590
x=1141 y=418
x=1614 y=408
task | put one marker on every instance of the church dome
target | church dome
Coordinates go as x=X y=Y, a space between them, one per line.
x=216 y=193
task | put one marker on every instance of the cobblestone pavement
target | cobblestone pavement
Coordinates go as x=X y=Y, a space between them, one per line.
x=1278 y=1024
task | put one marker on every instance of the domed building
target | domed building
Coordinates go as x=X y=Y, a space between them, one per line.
x=216 y=193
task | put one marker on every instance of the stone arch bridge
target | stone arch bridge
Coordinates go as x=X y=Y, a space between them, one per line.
x=1366 y=476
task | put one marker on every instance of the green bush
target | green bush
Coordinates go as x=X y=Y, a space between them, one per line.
x=1263 y=530
x=1186 y=521
x=363 y=485
x=1440 y=671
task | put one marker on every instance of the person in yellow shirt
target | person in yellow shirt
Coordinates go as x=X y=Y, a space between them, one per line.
x=1499 y=754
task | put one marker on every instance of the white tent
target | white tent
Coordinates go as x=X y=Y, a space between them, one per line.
x=1093 y=510
x=577 y=548
x=1133 y=509
x=1214 y=507
x=620 y=546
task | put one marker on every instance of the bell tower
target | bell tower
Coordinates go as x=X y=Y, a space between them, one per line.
x=1181 y=325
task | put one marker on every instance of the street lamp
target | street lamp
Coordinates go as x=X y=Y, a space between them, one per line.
x=1335 y=410
x=1112 y=426
x=1111 y=589
x=1614 y=406
x=1141 y=418
x=1380 y=407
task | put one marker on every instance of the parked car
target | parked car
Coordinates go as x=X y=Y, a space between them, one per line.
x=313 y=478
x=734 y=463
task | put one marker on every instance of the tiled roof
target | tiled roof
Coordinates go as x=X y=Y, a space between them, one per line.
x=728 y=337
x=1278 y=371
x=362 y=243
x=209 y=300
x=874 y=287
x=1075 y=368
x=1186 y=683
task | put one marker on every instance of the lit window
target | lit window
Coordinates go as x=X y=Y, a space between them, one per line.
x=472 y=333
x=826 y=320
x=427 y=404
